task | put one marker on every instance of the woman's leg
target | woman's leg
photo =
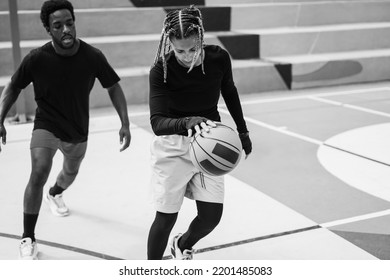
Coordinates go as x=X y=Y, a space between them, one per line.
x=209 y=215
x=159 y=234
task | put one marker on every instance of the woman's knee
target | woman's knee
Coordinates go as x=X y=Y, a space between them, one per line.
x=210 y=214
x=165 y=221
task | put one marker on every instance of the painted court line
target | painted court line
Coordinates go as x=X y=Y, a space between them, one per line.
x=282 y=130
x=250 y=240
x=98 y=129
x=221 y=246
x=349 y=106
x=307 y=139
x=65 y=247
x=290 y=232
x=356 y=219
x=355 y=154
x=295 y=231
x=304 y=96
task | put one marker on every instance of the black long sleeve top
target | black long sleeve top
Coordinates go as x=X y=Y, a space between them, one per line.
x=194 y=93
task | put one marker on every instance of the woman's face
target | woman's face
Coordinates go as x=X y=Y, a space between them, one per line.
x=185 y=50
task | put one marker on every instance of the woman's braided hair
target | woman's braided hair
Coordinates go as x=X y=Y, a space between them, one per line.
x=181 y=24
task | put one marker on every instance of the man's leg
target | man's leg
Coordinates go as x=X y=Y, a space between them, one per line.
x=68 y=174
x=73 y=156
x=41 y=163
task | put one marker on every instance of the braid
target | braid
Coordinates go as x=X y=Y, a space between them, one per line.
x=181 y=24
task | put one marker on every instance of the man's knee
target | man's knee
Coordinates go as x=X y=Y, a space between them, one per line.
x=39 y=176
x=70 y=173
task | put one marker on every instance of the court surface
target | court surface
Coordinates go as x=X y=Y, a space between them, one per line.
x=316 y=187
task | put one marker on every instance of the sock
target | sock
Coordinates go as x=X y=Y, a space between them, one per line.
x=29 y=222
x=56 y=189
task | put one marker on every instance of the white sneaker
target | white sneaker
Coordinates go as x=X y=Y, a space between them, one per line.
x=56 y=204
x=28 y=250
x=176 y=253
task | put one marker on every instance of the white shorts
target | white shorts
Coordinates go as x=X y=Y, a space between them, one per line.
x=174 y=176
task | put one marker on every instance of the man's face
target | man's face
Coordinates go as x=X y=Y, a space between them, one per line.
x=62 y=29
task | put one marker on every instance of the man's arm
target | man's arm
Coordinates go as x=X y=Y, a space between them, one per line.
x=119 y=101
x=7 y=99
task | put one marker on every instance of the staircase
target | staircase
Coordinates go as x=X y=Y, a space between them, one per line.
x=274 y=44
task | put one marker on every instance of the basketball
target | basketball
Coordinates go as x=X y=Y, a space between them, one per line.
x=217 y=152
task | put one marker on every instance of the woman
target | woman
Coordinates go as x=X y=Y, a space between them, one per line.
x=186 y=81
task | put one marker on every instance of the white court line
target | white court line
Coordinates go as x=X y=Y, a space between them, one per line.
x=304 y=96
x=349 y=106
x=356 y=219
x=316 y=97
x=282 y=130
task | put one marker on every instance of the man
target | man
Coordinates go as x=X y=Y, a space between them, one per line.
x=63 y=72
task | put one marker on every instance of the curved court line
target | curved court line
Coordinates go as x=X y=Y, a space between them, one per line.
x=66 y=247
x=355 y=154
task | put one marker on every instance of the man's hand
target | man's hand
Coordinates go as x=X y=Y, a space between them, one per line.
x=124 y=137
x=3 y=135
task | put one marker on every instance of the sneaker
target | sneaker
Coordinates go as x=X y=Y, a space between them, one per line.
x=176 y=253
x=28 y=250
x=56 y=204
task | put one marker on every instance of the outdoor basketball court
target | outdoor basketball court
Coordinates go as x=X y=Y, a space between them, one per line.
x=316 y=187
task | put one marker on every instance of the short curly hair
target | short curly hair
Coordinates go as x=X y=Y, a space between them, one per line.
x=50 y=6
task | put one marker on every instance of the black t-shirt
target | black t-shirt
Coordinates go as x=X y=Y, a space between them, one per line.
x=194 y=93
x=62 y=85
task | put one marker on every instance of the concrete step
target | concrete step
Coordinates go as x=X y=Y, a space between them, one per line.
x=255 y=16
x=87 y=4
x=77 y=4
x=121 y=51
x=321 y=39
x=90 y=23
x=336 y=68
x=135 y=81
x=276 y=74
x=137 y=50
x=130 y=20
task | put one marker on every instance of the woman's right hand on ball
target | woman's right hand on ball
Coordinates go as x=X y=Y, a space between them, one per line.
x=197 y=124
